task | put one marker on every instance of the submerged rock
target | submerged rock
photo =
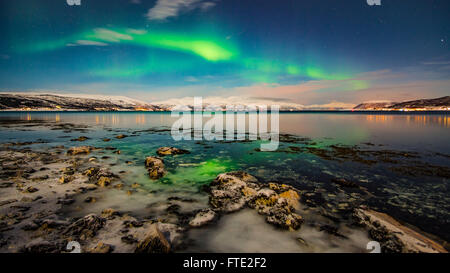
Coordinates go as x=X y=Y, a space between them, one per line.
x=81 y=138
x=171 y=151
x=154 y=242
x=121 y=136
x=155 y=167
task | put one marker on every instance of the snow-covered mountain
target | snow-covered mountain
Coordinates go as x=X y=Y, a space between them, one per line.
x=442 y=103
x=221 y=103
x=40 y=101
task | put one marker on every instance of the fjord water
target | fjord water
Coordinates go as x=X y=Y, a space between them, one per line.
x=423 y=201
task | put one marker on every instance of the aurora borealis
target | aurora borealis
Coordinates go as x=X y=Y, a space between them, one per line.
x=311 y=52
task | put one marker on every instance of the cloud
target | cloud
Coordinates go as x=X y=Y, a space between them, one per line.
x=110 y=35
x=171 y=8
x=87 y=43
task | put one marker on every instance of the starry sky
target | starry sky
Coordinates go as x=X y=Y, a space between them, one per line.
x=309 y=52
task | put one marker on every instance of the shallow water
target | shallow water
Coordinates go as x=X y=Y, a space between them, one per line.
x=421 y=200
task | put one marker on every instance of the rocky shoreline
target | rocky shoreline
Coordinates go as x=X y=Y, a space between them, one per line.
x=37 y=184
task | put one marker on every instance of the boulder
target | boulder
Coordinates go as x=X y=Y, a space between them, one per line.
x=203 y=217
x=163 y=151
x=234 y=190
x=227 y=191
x=79 y=150
x=392 y=235
x=85 y=227
x=154 y=242
x=155 y=167
x=103 y=181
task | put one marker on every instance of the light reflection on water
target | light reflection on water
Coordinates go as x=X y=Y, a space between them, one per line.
x=399 y=129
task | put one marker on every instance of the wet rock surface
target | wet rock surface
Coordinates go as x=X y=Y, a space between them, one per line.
x=233 y=191
x=163 y=151
x=393 y=236
x=154 y=242
x=155 y=167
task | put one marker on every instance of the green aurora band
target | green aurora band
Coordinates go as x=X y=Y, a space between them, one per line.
x=207 y=47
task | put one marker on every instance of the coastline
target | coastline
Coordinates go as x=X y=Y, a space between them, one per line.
x=46 y=187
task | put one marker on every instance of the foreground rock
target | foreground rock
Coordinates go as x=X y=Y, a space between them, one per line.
x=154 y=242
x=85 y=227
x=202 y=218
x=79 y=150
x=393 y=236
x=233 y=191
x=171 y=151
x=155 y=167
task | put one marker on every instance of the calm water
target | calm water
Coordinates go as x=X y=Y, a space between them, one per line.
x=421 y=200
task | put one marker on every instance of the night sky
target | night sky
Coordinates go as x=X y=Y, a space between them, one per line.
x=310 y=52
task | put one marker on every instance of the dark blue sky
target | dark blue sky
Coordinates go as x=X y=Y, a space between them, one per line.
x=312 y=52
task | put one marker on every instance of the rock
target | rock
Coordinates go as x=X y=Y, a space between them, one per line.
x=129 y=239
x=155 y=167
x=344 y=183
x=26 y=199
x=283 y=219
x=65 y=179
x=163 y=151
x=104 y=181
x=40 y=245
x=202 y=218
x=393 y=236
x=7 y=202
x=90 y=199
x=81 y=138
x=331 y=230
x=91 y=171
x=79 y=150
x=291 y=197
x=31 y=189
x=173 y=233
x=121 y=136
x=65 y=201
x=226 y=191
x=68 y=171
x=110 y=213
x=154 y=242
x=85 y=227
x=234 y=190
x=6 y=185
x=101 y=248
x=133 y=224
x=90 y=187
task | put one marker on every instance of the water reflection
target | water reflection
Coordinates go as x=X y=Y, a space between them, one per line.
x=346 y=128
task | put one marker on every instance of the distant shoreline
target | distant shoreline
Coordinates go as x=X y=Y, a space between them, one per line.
x=281 y=112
